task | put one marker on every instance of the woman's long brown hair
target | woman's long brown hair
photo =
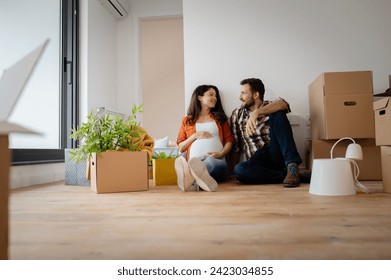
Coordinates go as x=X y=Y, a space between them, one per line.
x=195 y=105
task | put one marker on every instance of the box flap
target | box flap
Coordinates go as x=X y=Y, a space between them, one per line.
x=384 y=94
x=344 y=83
x=381 y=104
x=7 y=128
x=316 y=85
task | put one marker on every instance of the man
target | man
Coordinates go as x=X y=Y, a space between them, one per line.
x=262 y=130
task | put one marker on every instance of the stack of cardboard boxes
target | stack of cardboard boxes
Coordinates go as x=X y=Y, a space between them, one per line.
x=382 y=110
x=341 y=105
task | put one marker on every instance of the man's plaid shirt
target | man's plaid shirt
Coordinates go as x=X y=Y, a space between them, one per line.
x=243 y=142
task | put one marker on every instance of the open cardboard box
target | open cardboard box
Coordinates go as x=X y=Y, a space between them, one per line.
x=382 y=110
x=386 y=93
x=341 y=103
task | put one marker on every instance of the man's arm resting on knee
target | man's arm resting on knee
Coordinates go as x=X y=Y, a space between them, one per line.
x=272 y=107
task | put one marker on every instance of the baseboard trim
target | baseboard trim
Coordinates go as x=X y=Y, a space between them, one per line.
x=30 y=175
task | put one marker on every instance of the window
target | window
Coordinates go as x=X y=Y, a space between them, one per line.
x=49 y=102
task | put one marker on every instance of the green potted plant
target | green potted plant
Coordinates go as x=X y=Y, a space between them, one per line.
x=163 y=166
x=107 y=133
x=116 y=150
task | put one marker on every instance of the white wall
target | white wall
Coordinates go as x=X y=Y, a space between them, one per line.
x=98 y=57
x=155 y=6
x=286 y=44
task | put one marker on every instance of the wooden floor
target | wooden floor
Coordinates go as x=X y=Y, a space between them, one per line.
x=237 y=222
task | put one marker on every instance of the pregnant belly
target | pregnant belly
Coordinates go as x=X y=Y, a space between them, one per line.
x=200 y=147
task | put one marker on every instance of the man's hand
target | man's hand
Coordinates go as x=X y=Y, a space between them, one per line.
x=251 y=124
x=277 y=105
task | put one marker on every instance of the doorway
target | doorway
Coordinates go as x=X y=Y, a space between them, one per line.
x=162 y=75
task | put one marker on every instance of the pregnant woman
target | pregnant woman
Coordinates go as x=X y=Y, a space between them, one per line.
x=206 y=138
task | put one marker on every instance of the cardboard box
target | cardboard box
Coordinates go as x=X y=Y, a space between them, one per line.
x=382 y=110
x=114 y=171
x=370 y=166
x=386 y=167
x=164 y=171
x=75 y=172
x=341 y=104
x=5 y=159
x=6 y=128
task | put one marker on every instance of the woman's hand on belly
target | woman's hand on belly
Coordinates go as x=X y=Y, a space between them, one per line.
x=202 y=148
x=217 y=155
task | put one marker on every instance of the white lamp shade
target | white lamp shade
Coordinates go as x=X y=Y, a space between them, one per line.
x=332 y=177
x=354 y=151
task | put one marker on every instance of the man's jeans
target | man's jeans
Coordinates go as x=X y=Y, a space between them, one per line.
x=268 y=165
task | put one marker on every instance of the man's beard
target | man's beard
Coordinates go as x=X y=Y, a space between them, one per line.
x=248 y=104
